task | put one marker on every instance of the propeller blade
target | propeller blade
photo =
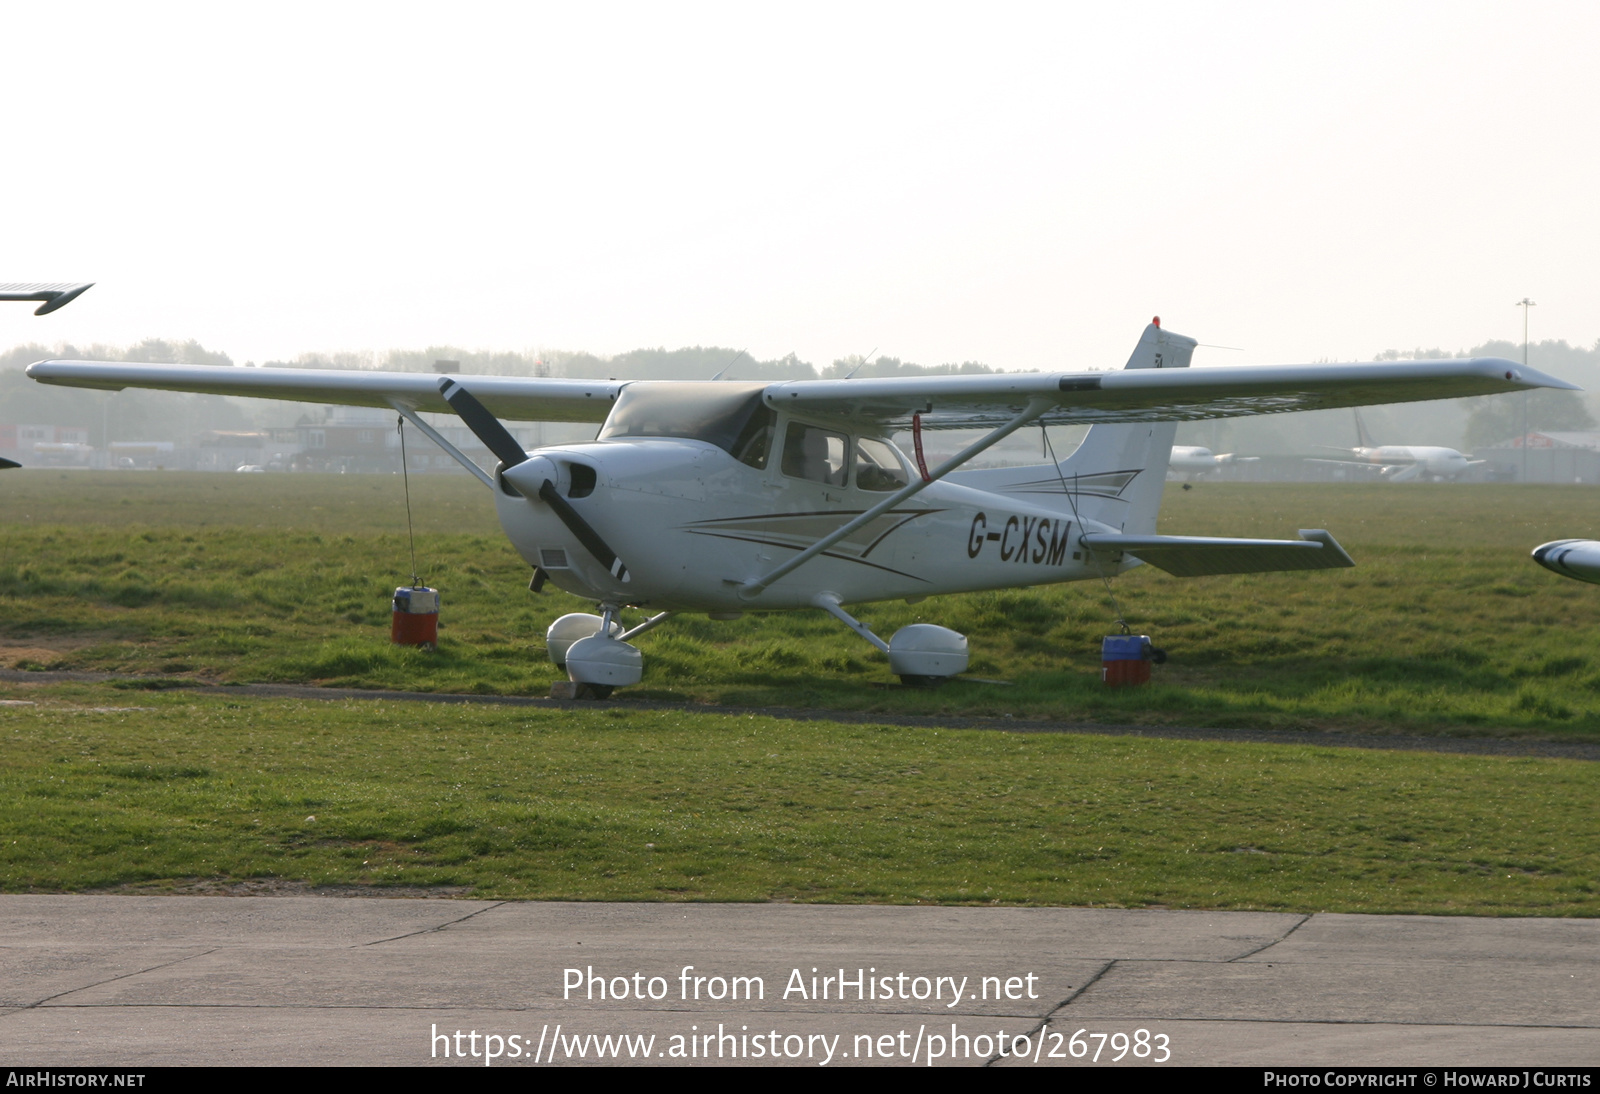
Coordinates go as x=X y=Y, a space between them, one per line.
x=485 y=426
x=579 y=527
x=497 y=439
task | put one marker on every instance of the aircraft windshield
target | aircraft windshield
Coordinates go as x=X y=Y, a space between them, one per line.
x=729 y=415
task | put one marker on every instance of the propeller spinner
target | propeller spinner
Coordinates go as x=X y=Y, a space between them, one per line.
x=533 y=481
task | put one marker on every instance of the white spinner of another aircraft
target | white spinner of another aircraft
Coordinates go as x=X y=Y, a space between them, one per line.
x=1403 y=462
x=1578 y=559
x=727 y=497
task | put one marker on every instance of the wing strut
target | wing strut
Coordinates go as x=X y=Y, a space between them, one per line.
x=1034 y=410
x=438 y=438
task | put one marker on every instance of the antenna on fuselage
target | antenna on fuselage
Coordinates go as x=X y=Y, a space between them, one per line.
x=729 y=365
x=861 y=362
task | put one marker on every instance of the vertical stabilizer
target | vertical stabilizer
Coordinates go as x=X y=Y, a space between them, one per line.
x=1363 y=438
x=1161 y=349
x=1117 y=475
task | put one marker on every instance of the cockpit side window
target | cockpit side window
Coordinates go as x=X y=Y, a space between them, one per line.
x=877 y=467
x=820 y=455
x=754 y=444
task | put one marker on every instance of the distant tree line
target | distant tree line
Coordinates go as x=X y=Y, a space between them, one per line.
x=1497 y=419
x=130 y=415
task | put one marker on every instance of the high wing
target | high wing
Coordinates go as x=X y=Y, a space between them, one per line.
x=1363 y=465
x=517 y=398
x=1156 y=394
x=1143 y=392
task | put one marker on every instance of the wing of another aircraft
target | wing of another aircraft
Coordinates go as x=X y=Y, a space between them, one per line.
x=50 y=296
x=1361 y=465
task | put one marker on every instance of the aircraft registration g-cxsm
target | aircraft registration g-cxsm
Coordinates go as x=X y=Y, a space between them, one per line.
x=725 y=497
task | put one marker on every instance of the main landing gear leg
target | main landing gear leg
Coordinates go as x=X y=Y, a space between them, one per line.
x=922 y=655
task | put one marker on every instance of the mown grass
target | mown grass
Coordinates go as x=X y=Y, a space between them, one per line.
x=622 y=804
x=1444 y=626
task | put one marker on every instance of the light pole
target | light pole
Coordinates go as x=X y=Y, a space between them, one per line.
x=1524 y=304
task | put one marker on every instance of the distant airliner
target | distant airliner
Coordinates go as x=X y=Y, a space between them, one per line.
x=1402 y=462
x=1189 y=461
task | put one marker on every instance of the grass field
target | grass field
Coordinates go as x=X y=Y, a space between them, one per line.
x=645 y=805
x=1445 y=626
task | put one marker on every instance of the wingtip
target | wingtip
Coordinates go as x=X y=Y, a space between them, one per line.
x=1527 y=377
x=61 y=300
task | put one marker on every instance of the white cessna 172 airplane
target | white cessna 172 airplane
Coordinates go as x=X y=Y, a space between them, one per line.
x=1403 y=462
x=727 y=497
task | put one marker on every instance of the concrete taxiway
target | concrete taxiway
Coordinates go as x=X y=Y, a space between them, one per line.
x=131 y=981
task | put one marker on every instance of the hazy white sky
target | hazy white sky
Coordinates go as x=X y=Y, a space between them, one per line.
x=1020 y=184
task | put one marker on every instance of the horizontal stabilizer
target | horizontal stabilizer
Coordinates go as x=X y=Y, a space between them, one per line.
x=1202 y=556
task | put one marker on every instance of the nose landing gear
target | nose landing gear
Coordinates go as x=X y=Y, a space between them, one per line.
x=595 y=654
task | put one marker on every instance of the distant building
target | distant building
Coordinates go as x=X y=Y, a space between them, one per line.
x=364 y=439
x=143 y=455
x=339 y=440
x=1551 y=457
x=228 y=450
x=46 y=445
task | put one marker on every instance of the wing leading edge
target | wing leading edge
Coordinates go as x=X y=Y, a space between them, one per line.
x=1143 y=392
x=516 y=398
x=1157 y=394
